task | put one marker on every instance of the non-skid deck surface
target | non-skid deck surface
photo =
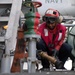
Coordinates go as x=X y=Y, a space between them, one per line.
x=44 y=73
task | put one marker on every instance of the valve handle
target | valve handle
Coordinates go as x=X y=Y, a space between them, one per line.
x=29 y=4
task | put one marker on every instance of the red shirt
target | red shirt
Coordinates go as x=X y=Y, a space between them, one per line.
x=53 y=38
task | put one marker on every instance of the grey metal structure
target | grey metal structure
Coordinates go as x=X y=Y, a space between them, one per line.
x=32 y=52
x=71 y=38
x=71 y=35
x=12 y=20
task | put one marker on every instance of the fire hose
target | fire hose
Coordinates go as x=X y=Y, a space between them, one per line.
x=58 y=63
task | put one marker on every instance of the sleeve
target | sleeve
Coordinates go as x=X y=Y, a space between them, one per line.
x=41 y=26
x=40 y=29
x=62 y=39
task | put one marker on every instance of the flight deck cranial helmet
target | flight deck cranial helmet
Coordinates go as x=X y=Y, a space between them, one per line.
x=51 y=16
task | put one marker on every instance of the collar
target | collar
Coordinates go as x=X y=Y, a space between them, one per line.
x=52 y=31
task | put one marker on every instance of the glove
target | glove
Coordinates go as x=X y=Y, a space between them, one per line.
x=58 y=64
x=55 y=53
x=38 y=51
x=37 y=54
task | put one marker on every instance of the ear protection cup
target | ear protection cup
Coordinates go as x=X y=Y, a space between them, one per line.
x=60 y=18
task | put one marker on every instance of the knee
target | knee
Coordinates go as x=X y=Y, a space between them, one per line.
x=68 y=47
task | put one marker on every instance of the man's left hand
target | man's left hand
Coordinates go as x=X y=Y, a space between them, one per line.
x=55 y=52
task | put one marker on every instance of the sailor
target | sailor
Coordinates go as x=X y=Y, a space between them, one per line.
x=52 y=40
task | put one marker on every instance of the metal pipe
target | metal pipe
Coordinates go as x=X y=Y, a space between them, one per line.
x=32 y=56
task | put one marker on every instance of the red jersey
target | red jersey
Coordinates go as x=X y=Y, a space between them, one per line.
x=53 y=38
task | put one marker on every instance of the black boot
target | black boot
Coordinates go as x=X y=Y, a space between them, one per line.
x=59 y=64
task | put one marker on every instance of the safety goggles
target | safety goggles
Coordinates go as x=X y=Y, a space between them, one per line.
x=50 y=20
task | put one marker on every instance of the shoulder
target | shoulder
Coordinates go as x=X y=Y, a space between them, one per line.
x=41 y=26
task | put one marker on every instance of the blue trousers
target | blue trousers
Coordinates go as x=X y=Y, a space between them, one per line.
x=64 y=53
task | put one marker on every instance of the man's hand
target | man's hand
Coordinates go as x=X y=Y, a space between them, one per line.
x=55 y=53
x=38 y=54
